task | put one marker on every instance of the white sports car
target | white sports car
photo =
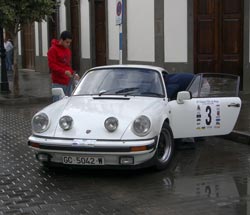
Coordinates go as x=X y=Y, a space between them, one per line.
x=121 y=115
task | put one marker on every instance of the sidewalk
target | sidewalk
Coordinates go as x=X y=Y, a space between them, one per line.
x=241 y=132
x=35 y=87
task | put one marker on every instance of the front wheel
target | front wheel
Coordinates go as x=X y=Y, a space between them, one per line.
x=165 y=148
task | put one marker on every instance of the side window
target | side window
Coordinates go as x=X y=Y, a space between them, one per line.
x=194 y=87
x=205 y=88
x=222 y=85
x=214 y=85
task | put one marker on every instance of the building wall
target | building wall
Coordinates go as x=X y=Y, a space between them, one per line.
x=140 y=30
x=175 y=38
x=246 y=47
x=85 y=61
x=41 y=47
x=63 y=18
x=113 y=32
x=150 y=35
x=85 y=29
x=178 y=42
x=166 y=45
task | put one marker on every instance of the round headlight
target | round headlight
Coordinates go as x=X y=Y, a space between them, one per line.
x=141 y=126
x=111 y=124
x=40 y=123
x=65 y=122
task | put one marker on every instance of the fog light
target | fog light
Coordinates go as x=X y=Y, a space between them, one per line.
x=42 y=157
x=126 y=160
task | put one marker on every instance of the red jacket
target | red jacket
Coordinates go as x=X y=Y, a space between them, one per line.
x=59 y=59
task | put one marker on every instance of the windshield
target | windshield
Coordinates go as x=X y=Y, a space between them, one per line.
x=121 y=81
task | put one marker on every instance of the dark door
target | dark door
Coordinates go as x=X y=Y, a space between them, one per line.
x=75 y=24
x=218 y=36
x=28 y=46
x=53 y=28
x=100 y=32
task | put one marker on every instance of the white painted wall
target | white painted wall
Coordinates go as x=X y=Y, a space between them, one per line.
x=45 y=38
x=175 y=30
x=85 y=29
x=19 y=43
x=113 y=31
x=140 y=26
x=62 y=13
x=36 y=38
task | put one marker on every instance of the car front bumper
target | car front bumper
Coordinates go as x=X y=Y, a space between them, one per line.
x=113 y=152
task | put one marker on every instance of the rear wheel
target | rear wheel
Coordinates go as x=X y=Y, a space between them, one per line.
x=165 y=148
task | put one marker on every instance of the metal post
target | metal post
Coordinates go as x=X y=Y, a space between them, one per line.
x=119 y=17
x=4 y=78
x=120 y=44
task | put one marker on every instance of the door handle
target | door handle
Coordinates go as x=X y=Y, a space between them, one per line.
x=234 y=105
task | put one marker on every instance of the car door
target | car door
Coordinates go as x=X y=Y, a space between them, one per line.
x=213 y=110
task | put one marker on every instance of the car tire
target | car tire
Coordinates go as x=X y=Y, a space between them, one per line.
x=165 y=148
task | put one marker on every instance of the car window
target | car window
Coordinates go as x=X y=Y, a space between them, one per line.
x=194 y=86
x=127 y=81
x=177 y=82
x=215 y=85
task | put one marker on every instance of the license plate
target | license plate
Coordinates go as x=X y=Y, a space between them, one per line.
x=79 y=160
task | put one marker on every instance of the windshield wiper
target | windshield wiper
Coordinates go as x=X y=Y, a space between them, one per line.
x=107 y=91
x=120 y=90
x=125 y=90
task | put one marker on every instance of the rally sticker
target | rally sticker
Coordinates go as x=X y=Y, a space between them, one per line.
x=208 y=114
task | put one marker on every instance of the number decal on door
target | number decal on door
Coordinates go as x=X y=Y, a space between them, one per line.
x=209 y=115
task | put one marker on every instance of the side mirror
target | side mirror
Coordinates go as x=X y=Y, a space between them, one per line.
x=58 y=92
x=182 y=96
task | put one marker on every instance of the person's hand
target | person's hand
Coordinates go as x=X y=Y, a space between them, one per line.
x=68 y=73
x=76 y=77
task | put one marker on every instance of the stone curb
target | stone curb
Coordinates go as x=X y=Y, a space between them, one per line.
x=238 y=136
x=25 y=100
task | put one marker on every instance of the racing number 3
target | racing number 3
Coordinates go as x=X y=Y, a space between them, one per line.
x=209 y=111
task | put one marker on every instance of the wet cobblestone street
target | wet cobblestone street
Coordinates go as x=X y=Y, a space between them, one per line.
x=210 y=179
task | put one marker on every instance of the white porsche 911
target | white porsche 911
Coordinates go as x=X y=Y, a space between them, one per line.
x=121 y=115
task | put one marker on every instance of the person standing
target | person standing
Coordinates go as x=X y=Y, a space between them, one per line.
x=59 y=59
x=9 y=54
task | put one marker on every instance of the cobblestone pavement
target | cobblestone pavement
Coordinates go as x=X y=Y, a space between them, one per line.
x=211 y=179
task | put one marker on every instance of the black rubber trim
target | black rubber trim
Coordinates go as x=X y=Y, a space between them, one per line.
x=112 y=98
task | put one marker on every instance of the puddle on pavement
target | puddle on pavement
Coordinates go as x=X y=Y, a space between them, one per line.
x=214 y=186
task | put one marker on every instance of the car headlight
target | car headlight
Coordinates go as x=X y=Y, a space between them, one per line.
x=66 y=122
x=40 y=123
x=111 y=124
x=141 y=126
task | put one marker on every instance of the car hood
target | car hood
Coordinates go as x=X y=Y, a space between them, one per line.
x=89 y=114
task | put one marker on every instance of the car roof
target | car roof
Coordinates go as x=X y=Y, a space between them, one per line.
x=129 y=66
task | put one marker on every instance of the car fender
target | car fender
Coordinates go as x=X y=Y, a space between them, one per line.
x=157 y=113
x=53 y=111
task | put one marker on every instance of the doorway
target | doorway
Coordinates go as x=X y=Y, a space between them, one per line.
x=28 y=44
x=100 y=32
x=218 y=36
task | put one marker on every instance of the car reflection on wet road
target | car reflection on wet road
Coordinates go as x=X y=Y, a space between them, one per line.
x=213 y=179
